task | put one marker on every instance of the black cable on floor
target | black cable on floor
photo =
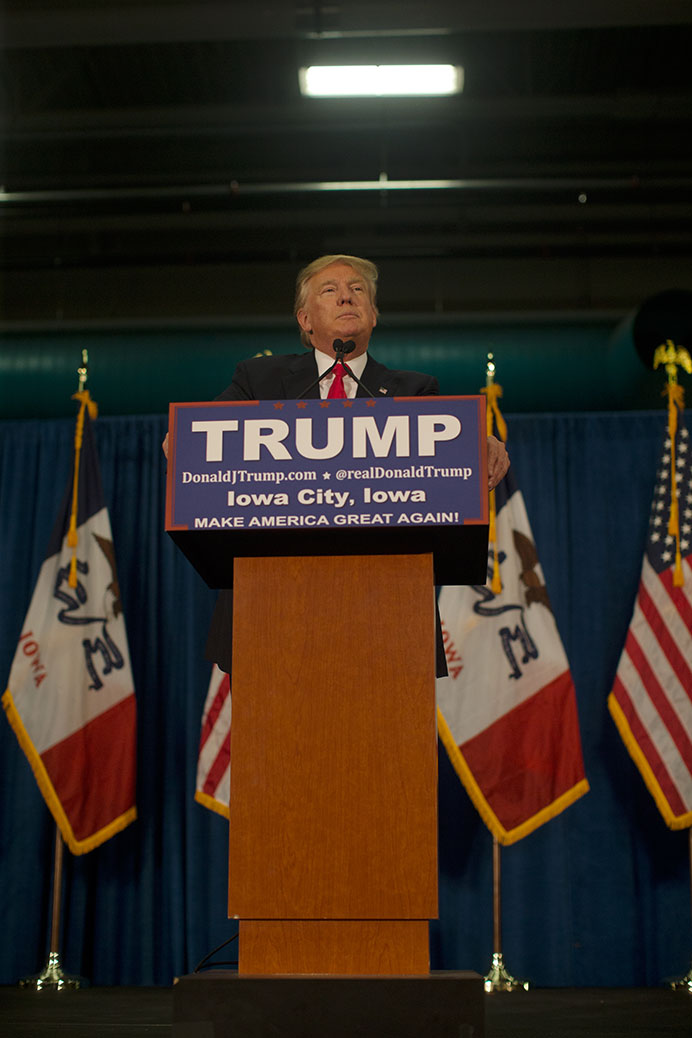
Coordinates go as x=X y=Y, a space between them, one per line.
x=208 y=956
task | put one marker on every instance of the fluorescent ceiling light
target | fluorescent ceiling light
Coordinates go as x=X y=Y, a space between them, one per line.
x=380 y=80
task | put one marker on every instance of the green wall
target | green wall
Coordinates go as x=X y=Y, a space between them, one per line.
x=542 y=366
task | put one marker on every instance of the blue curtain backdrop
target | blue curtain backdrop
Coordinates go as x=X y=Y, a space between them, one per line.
x=599 y=896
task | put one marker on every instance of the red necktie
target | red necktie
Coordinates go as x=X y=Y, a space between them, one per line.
x=336 y=390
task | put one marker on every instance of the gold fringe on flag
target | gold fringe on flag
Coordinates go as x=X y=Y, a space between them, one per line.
x=493 y=419
x=673 y=356
x=85 y=403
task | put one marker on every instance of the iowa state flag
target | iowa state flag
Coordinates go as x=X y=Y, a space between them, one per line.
x=70 y=695
x=507 y=712
x=651 y=701
x=214 y=757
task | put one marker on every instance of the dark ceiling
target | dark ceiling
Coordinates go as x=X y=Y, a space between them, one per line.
x=159 y=163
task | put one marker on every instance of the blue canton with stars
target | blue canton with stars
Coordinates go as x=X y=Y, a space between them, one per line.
x=661 y=545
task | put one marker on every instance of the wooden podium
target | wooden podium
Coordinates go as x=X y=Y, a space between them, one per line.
x=333 y=825
x=333 y=813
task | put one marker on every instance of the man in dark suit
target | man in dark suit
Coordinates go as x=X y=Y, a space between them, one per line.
x=335 y=299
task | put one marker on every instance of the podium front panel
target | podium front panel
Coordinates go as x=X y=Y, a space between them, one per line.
x=334 y=743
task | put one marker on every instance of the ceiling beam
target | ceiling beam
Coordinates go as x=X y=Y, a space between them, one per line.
x=39 y=23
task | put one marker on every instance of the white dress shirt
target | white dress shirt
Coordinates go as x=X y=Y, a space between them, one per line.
x=357 y=366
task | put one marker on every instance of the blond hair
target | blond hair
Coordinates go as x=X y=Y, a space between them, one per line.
x=366 y=269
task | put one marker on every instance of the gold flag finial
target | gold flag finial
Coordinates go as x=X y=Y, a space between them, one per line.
x=83 y=371
x=489 y=370
x=673 y=357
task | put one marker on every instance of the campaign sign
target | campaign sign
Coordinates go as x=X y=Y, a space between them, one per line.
x=311 y=464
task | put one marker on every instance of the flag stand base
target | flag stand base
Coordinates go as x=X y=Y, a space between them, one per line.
x=499 y=979
x=684 y=983
x=52 y=978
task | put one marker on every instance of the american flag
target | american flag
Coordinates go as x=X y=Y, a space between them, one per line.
x=214 y=757
x=651 y=701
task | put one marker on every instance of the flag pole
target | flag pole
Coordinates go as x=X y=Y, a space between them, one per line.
x=498 y=978
x=52 y=977
x=685 y=983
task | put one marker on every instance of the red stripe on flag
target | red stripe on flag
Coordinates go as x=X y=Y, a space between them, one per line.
x=653 y=758
x=666 y=640
x=677 y=595
x=217 y=769
x=215 y=709
x=93 y=770
x=531 y=756
x=658 y=695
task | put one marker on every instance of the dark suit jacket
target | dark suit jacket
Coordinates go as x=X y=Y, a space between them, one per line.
x=286 y=377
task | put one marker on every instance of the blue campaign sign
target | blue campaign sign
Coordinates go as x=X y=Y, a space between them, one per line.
x=290 y=464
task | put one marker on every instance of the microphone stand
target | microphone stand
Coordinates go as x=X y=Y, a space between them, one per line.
x=340 y=349
x=355 y=378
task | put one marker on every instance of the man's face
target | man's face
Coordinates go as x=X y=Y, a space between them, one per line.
x=338 y=307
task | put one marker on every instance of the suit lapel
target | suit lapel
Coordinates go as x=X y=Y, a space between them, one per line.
x=380 y=380
x=302 y=372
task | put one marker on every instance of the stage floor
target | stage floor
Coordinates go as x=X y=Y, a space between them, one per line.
x=541 y=1013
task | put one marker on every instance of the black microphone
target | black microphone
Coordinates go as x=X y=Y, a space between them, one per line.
x=341 y=348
